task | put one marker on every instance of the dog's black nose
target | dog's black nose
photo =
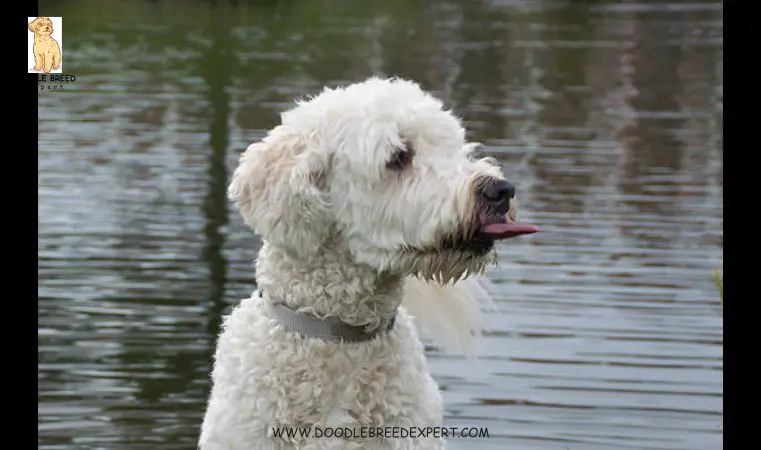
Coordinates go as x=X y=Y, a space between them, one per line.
x=498 y=191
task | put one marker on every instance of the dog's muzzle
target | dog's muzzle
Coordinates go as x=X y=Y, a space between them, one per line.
x=496 y=195
x=496 y=214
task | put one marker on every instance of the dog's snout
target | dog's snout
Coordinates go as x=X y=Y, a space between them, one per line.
x=498 y=192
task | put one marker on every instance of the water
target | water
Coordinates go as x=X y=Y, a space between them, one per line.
x=607 y=116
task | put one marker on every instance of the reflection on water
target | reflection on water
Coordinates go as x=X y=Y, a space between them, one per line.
x=608 y=117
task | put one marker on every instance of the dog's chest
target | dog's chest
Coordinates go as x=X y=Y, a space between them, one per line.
x=45 y=44
x=380 y=391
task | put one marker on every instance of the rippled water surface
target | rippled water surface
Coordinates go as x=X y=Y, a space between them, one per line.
x=607 y=115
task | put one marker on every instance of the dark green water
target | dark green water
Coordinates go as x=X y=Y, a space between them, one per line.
x=607 y=115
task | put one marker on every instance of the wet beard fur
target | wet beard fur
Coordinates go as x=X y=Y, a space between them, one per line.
x=443 y=266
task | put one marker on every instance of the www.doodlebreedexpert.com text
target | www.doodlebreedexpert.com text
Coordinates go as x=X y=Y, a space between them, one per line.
x=381 y=432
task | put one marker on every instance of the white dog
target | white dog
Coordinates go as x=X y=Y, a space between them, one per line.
x=365 y=196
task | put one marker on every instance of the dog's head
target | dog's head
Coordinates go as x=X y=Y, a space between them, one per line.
x=381 y=167
x=41 y=26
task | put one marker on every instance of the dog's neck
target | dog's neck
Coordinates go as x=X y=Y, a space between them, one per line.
x=329 y=283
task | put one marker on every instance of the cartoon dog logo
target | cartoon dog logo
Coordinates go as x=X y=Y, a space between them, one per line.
x=47 y=52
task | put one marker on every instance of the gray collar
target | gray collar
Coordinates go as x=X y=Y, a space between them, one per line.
x=328 y=328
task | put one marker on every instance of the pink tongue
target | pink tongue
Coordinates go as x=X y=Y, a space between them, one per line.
x=508 y=230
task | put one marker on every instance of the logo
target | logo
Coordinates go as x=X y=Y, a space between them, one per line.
x=45 y=45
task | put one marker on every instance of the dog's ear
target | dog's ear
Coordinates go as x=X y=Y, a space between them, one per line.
x=279 y=189
x=33 y=24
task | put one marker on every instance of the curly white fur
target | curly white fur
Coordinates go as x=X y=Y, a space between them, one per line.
x=345 y=236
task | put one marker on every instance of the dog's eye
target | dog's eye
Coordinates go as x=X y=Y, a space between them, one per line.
x=475 y=150
x=401 y=158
